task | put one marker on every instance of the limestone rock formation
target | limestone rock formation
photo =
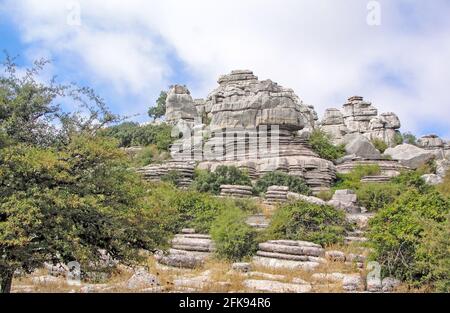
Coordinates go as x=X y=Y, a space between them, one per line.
x=277 y=194
x=359 y=116
x=345 y=200
x=409 y=155
x=189 y=250
x=247 y=123
x=236 y=191
x=180 y=105
x=289 y=254
x=357 y=144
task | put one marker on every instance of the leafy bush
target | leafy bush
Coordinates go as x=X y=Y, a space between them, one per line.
x=234 y=239
x=352 y=180
x=325 y=195
x=412 y=179
x=206 y=181
x=295 y=184
x=444 y=188
x=148 y=155
x=321 y=144
x=300 y=220
x=398 y=138
x=409 y=139
x=172 y=177
x=404 y=242
x=376 y=196
x=159 y=110
x=132 y=134
x=379 y=144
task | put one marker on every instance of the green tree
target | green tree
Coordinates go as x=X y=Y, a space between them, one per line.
x=65 y=193
x=159 y=110
x=409 y=138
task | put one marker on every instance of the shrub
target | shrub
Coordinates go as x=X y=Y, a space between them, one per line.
x=444 y=188
x=398 y=139
x=412 y=179
x=404 y=242
x=321 y=144
x=172 y=177
x=376 y=196
x=233 y=238
x=295 y=184
x=379 y=144
x=132 y=134
x=352 y=180
x=300 y=220
x=206 y=181
x=409 y=139
x=325 y=195
x=148 y=155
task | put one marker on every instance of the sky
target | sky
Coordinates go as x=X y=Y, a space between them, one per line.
x=395 y=53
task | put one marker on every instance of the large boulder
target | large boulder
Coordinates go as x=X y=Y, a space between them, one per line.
x=180 y=105
x=360 y=146
x=409 y=155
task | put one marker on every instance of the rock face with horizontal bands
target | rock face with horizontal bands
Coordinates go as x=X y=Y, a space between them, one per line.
x=289 y=254
x=361 y=117
x=357 y=144
x=409 y=155
x=250 y=124
x=189 y=250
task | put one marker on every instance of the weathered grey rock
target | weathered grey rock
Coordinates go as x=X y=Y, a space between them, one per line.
x=188 y=251
x=390 y=284
x=142 y=279
x=297 y=196
x=345 y=200
x=409 y=155
x=360 y=117
x=442 y=167
x=388 y=168
x=290 y=254
x=275 y=286
x=335 y=256
x=360 y=146
x=258 y=221
x=236 y=191
x=374 y=284
x=180 y=105
x=432 y=179
x=328 y=277
x=431 y=142
x=353 y=283
x=242 y=267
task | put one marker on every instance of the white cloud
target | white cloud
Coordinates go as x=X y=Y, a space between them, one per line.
x=323 y=49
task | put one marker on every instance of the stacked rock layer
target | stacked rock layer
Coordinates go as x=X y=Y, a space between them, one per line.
x=189 y=250
x=289 y=254
x=236 y=191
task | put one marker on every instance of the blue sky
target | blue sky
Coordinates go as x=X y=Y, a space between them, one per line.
x=325 y=50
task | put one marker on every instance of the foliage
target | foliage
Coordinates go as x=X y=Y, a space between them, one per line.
x=172 y=177
x=321 y=144
x=28 y=113
x=398 y=138
x=325 y=195
x=132 y=134
x=379 y=144
x=149 y=155
x=412 y=179
x=206 y=181
x=352 y=180
x=300 y=220
x=295 y=184
x=376 y=196
x=159 y=110
x=444 y=188
x=410 y=238
x=409 y=138
x=233 y=238
x=64 y=205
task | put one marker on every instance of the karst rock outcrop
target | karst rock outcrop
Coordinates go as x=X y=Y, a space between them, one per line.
x=359 y=116
x=251 y=124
